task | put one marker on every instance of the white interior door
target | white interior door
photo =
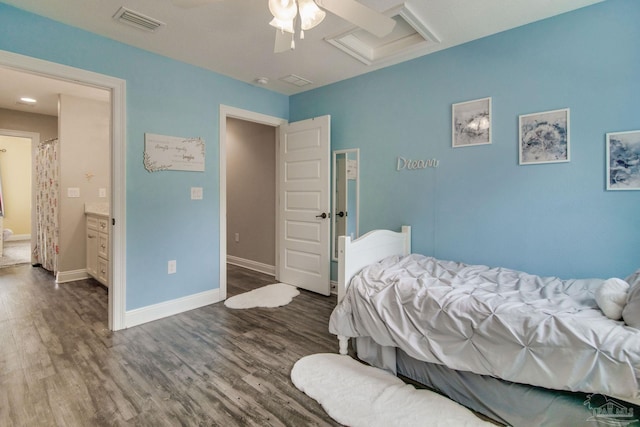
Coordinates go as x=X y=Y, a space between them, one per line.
x=304 y=224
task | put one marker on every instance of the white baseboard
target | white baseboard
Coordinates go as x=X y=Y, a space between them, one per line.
x=16 y=237
x=71 y=276
x=252 y=265
x=169 y=308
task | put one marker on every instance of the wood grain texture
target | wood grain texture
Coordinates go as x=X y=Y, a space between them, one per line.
x=214 y=366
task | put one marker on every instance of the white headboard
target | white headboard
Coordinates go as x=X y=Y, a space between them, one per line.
x=354 y=255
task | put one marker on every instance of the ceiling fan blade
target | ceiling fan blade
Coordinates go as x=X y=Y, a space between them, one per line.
x=364 y=17
x=188 y=4
x=283 y=41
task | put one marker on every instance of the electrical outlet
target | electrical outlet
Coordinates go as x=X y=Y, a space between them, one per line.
x=171 y=267
x=196 y=193
x=237 y=237
x=102 y=192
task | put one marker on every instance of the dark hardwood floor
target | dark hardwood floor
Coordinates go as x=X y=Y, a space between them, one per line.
x=214 y=366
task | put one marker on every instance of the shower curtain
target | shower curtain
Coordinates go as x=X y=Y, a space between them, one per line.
x=47 y=194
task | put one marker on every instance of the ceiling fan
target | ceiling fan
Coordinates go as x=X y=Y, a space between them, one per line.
x=285 y=13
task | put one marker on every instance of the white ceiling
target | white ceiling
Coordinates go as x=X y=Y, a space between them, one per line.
x=233 y=38
x=16 y=84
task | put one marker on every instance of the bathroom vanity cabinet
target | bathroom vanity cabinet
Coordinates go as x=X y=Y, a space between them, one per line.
x=98 y=247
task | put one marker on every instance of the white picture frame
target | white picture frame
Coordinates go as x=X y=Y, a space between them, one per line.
x=544 y=137
x=162 y=153
x=623 y=160
x=471 y=123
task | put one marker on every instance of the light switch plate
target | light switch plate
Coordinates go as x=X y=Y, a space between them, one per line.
x=102 y=192
x=196 y=193
x=73 y=192
x=171 y=267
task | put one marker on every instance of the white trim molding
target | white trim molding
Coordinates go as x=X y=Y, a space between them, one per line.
x=72 y=275
x=334 y=287
x=170 y=308
x=252 y=265
x=18 y=237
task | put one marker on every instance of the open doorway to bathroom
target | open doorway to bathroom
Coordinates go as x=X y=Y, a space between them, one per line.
x=75 y=81
x=15 y=196
x=66 y=167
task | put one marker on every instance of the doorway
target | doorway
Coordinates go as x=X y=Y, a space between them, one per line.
x=15 y=192
x=302 y=218
x=116 y=88
x=251 y=195
x=226 y=113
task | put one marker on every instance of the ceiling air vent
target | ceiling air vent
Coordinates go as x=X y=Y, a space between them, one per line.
x=136 y=19
x=296 y=80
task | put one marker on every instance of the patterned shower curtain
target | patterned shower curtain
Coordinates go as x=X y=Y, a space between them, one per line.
x=47 y=195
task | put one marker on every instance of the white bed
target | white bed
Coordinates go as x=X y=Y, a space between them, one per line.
x=490 y=393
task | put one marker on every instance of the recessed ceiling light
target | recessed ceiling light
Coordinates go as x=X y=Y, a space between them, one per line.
x=28 y=100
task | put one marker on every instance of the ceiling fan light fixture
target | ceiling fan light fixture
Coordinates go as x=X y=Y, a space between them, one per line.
x=284 y=10
x=310 y=14
x=286 y=26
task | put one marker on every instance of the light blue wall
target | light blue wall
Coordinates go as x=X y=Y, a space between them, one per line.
x=164 y=97
x=480 y=206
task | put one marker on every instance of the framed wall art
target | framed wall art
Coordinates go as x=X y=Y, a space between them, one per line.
x=544 y=137
x=471 y=123
x=163 y=153
x=623 y=160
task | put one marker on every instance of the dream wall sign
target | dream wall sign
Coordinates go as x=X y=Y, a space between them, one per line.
x=413 y=164
x=173 y=153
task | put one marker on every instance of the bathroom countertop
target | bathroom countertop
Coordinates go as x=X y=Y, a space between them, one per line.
x=101 y=209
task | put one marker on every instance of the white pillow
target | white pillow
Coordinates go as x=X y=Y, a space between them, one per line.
x=631 y=311
x=611 y=297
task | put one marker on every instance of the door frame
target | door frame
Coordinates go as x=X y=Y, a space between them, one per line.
x=35 y=141
x=117 y=88
x=227 y=111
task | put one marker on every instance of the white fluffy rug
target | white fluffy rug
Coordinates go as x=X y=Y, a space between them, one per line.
x=357 y=395
x=275 y=295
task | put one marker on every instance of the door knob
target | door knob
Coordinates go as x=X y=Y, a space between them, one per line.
x=323 y=215
x=341 y=214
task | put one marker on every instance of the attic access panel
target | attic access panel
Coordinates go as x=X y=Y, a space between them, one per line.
x=409 y=35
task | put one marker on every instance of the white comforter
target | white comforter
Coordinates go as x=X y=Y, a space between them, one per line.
x=493 y=321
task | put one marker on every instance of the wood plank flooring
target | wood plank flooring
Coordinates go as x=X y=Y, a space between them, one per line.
x=61 y=366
